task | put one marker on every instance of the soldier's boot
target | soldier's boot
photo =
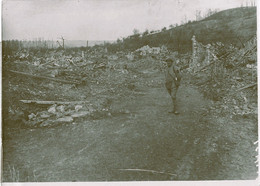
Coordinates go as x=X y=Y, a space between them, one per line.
x=174 y=102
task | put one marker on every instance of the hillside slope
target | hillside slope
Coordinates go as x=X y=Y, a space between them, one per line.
x=227 y=26
x=234 y=26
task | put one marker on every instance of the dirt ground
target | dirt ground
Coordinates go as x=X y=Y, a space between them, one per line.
x=137 y=132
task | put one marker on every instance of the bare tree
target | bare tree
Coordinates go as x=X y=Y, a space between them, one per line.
x=63 y=43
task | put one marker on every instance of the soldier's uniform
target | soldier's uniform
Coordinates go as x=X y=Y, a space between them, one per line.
x=173 y=78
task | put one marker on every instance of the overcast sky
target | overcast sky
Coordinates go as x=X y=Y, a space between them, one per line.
x=98 y=19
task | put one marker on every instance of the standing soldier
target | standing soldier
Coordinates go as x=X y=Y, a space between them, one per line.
x=173 y=78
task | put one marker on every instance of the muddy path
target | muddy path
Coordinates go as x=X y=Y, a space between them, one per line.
x=190 y=146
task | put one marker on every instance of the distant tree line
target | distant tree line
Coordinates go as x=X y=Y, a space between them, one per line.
x=10 y=46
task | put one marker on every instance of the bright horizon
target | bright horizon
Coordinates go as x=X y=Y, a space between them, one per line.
x=100 y=19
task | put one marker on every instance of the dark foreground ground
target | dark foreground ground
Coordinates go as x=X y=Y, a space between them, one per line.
x=137 y=133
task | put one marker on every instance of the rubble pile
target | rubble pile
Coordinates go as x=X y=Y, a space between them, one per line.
x=146 y=50
x=70 y=76
x=230 y=78
x=59 y=114
x=77 y=75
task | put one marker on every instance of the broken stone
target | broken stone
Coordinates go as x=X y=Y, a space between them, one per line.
x=52 y=109
x=45 y=115
x=10 y=110
x=65 y=119
x=61 y=108
x=78 y=107
x=80 y=114
x=36 y=63
x=31 y=116
x=54 y=73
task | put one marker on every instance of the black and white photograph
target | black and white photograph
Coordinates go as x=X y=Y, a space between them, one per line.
x=129 y=90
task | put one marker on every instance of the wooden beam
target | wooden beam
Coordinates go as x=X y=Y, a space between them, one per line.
x=52 y=102
x=248 y=86
x=43 y=77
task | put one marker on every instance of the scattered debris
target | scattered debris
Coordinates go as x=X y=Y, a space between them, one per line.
x=145 y=50
x=98 y=72
x=222 y=72
x=130 y=56
x=57 y=114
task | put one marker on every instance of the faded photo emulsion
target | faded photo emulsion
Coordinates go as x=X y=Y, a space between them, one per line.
x=150 y=90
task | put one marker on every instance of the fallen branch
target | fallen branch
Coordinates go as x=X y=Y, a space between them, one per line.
x=71 y=62
x=46 y=63
x=205 y=67
x=144 y=170
x=242 y=56
x=248 y=51
x=53 y=102
x=248 y=86
x=43 y=77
